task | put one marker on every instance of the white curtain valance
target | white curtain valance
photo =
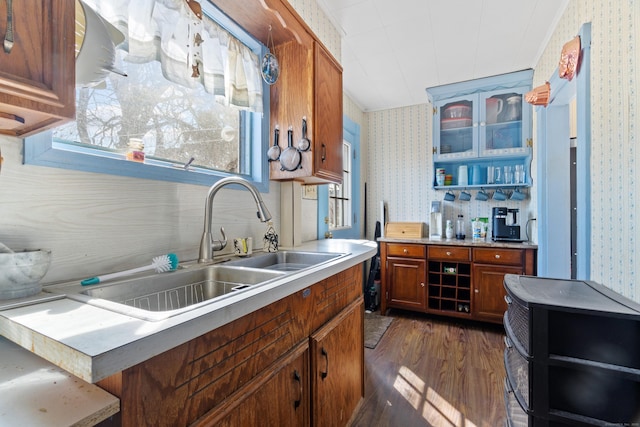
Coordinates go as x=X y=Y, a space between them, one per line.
x=191 y=50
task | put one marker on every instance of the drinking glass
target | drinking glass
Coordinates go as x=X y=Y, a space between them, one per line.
x=498 y=177
x=508 y=175
x=519 y=174
x=491 y=174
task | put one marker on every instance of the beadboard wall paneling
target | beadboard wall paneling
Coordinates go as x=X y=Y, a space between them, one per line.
x=615 y=157
x=96 y=223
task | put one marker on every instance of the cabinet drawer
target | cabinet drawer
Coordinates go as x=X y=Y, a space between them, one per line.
x=450 y=253
x=498 y=256
x=406 y=250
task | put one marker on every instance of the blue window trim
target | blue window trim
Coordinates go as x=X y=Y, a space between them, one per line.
x=350 y=133
x=42 y=150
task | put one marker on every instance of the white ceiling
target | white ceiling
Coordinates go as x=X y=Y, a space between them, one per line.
x=392 y=50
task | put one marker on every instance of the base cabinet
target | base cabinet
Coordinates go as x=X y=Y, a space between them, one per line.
x=262 y=359
x=277 y=397
x=337 y=372
x=488 y=293
x=461 y=281
x=404 y=276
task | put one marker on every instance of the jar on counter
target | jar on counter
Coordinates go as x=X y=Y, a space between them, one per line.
x=449 y=229
x=135 y=150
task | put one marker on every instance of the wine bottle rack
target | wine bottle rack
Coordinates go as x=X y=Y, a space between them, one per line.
x=449 y=287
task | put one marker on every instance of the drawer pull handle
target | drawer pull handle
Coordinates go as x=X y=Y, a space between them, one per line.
x=508 y=299
x=497 y=256
x=324 y=374
x=296 y=376
x=448 y=253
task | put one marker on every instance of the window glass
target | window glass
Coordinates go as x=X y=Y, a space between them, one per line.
x=175 y=123
x=340 y=199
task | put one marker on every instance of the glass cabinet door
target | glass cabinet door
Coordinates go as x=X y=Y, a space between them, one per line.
x=504 y=127
x=456 y=124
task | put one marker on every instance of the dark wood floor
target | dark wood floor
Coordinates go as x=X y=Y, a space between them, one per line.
x=431 y=371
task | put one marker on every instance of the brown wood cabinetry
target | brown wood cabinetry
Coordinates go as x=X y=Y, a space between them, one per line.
x=404 y=276
x=255 y=359
x=449 y=280
x=310 y=87
x=461 y=281
x=279 y=396
x=337 y=376
x=489 y=267
x=37 y=76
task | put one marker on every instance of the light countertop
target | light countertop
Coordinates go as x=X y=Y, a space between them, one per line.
x=38 y=393
x=94 y=343
x=466 y=242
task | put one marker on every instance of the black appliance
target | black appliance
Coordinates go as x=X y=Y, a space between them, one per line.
x=501 y=232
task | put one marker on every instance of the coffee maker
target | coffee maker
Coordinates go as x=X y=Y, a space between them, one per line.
x=504 y=228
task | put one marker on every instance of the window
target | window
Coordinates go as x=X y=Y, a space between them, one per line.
x=175 y=124
x=340 y=194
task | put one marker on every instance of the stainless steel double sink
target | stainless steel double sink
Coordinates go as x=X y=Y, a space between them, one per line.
x=159 y=296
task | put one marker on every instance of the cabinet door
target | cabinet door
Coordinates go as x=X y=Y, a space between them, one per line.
x=327 y=126
x=406 y=283
x=488 y=291
x=337 y=367
x=505 y=122
x=278 y=397
x=37 y=76
x=455 y=128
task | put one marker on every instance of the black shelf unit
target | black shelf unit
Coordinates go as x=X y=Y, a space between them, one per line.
x=572 y=354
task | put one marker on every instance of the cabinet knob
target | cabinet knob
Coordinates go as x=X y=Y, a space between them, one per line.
x=448 y=253
x=476 y=291
x=405 y=250
x=422 y=284
x=497 y=256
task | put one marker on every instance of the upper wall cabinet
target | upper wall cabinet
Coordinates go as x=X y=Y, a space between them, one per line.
x=37 y=65
x=482 y=125
x=309 y=87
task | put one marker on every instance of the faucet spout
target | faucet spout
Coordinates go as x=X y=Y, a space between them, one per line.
x=207 y=244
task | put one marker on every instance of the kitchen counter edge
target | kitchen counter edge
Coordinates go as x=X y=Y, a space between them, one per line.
x=94 y=343
x=466 y=242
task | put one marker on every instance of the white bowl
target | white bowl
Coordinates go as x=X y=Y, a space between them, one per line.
x=21 y=272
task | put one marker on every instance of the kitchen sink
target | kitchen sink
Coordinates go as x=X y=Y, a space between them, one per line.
x=159 y=296
x=153 y=296
x=286 y=261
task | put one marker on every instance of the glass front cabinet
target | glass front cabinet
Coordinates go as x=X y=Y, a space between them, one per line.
x=482 y=132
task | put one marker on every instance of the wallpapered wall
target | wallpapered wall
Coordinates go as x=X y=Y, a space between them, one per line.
x=399 y=166
x=615 y=157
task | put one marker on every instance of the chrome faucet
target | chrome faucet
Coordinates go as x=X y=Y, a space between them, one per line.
x=207 y=244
